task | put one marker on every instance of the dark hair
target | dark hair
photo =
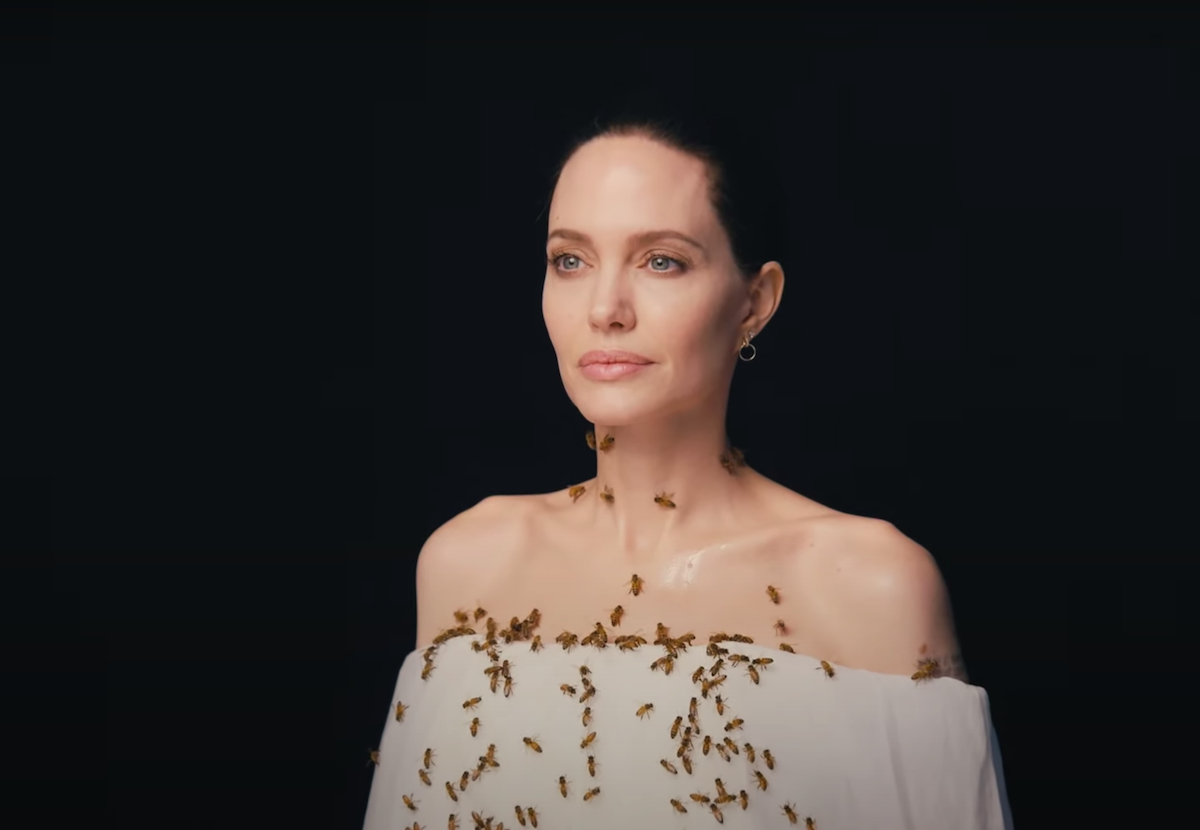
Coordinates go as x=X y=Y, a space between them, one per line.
x=745 y=187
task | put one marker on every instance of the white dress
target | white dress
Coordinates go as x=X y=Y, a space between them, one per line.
x=855 y=751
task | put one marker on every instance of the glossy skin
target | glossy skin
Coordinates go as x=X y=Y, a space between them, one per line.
x=854 y=590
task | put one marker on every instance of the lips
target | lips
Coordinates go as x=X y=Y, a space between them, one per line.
x=613 y=356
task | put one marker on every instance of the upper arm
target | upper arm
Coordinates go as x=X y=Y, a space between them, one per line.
x=448 y=567
x=897 y=608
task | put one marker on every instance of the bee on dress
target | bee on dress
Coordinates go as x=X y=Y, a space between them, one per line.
x=787 y=648
x=741 y=638
x=491 y=755
x=461 y=617
x=762 y=780
x=372 y=756
x=532 y=744
x=591 y=765
x=809 y=823
x=567 y=689
x=678 y=805
x=768 y=759
x=721 y=704
x=474 y=727
x=576 y=491
x=664 y=663
x=400 y=710
x=736 y=723
x=562 y=785
x=586 y=742
x=693 y=709
x=588 y=694
x=472 y=703
x=592 y=793
x=762 y=662
x=723 y=752
x=450 y=787
x=732 y=744
x=828 y=669
x=687 y=763
x=669 y=767
x=409 y=803
x=478 y=819
x=567 y=640
x=536 y=645
x=781 y=627
x=926 y=669
x=520 y=815
x=676 y=726
x=706 y=747
x=749 y=752
x=773 y=594
x=635 y=586
x=744 y=800
x=697 y=674
x=700 y=798
x=790 y=812
x=587 y=716
x=663 y=499
x=452 y=822
x=644 y=710
x=532 y=813
x=720 y=789
x=607 y=495
x=717 y=666
x=716 y=811
x=616 y=615
x=424 y=776
x=426 y=671
x=428 y=758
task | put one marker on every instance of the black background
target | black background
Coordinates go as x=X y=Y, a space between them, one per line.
x=272 y=315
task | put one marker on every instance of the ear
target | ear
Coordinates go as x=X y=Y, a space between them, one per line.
x=764 y=291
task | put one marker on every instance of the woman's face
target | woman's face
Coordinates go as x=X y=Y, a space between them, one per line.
x=639 y=262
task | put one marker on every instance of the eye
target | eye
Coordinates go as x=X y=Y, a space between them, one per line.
x=661 y=263
x=566 y=262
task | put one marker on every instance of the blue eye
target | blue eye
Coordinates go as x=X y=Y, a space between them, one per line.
x=661 y=264
x=560 y=262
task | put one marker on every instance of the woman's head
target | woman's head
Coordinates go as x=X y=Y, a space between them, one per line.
x=663 y=239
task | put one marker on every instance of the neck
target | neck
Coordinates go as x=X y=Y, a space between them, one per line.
x=678 y=459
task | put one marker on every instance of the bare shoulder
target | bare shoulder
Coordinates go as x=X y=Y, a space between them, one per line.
x=464 y=552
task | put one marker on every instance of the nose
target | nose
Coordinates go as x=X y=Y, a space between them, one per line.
x=611 y=305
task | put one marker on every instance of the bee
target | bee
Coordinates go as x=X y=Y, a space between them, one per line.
x=429 y=753
x=575 y=492
x=586 y=742
x=664 y=499
x=736 y=723
x=753 y=672
x=409 y=803
x=828 y=669
x=567 y=640
x=790 y=812
x=732 y=460
x=762 y=780
x=426 y=671
x=532 y=816
x=675 y=726
x=424 y=776
x=520 y=815
x=781 y=627
x=762 y=662
x=749 y=752
x=697 y=674
x=741 y=638
x=720 y=788
x=744 y=800
x=717 y=666
x=562 y=785
x=693 y=709
x=679 y=808
x=478 y=819
x=532 y=744
x=591 y=765
x=644 y=710
x=462 y=783
x=716 y=811
x=635 y=586
x=590 y=437
x=474 y=727
x=472 y=703
x=809 y=824
x=587 y=716
x=461 y=617
x=479 y=768
x=721 y=705
x=450 y=787
x=567 y=690
x=592 y=793
x=687 y=763
x=669 y=767
x=584 y=671
x=606 y=443
x=768 y=758
x=491 y=755
x=588 y=694
x=719 y=637
x=773 y=594
x=479 y=614
x=372 y=756
x=536 y=645
x=607 y=495
x=616 y=615
x=787 y=648
x=925 y=670
x=732 y=744
x=452 y=822
x=664 y=663
x=707 y=745
x=700 y=798
x=400 y=710
x=723 y=752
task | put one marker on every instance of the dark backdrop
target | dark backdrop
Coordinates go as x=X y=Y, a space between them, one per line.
x=289 y=323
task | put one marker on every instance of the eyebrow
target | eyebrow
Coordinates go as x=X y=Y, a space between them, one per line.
x=641 y=238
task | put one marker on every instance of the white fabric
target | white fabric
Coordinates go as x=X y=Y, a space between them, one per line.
x=858 y=751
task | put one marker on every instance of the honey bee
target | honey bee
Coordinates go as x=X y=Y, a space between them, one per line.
x=452 y=822
x=606 y=443
x=472 y=703
x=474 y=727
x=587 y=716
x=429 y=753
x=679 y=808
x=753 y=672
x=567 y=689
x=707 y=745
x=781 y=627
x=635 y=586
x=669 y=767
x=790 y=812
x=520 y=815
x=809 y=824
x=592 y=793
x=721 y=705
x=736 y=723
x=732 y=460
x=591 y=765
x=720 y=788
x=693 y=708
x=590 y=437
x=925 y=670
x=723 y=752
x=478 y=771
x=461 y=617
x=741 y=638
x=644 y=710
x=762 y=780
x=567 y=640
x=687 y=763
x=664 y=663
x=562 y=785
x=409 y=803
x=664 y=499
x=586 y=742
x=424 y=776
x=828 y=669
x=716 y=811
x=773 y=594
x=607 y=495
x=700 y=798
x=575 y=492
x=675 y=727
x=719 y=637
x=478 y=819
x=536 y=645
x=768 y=758
x=744 y=800
x=426 y=671
x=532 y=744
x=450 y=787
x=588 y=694
x=697 y=674
x=616 y=615
x=732 y=744
x=532 y=813
x=491 y=755
x=717 y=666
x=787 y=648
x=749 y=752
x=479 y=614
x=372 y=756
x=400 y=710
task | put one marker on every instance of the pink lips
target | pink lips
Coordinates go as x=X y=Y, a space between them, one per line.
x=610 y=365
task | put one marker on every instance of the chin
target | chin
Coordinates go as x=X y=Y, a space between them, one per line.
x=614 y=408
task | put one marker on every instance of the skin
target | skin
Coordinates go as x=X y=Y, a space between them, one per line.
x=856 y=590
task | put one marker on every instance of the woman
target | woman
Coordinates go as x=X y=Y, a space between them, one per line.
x=677 y=640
